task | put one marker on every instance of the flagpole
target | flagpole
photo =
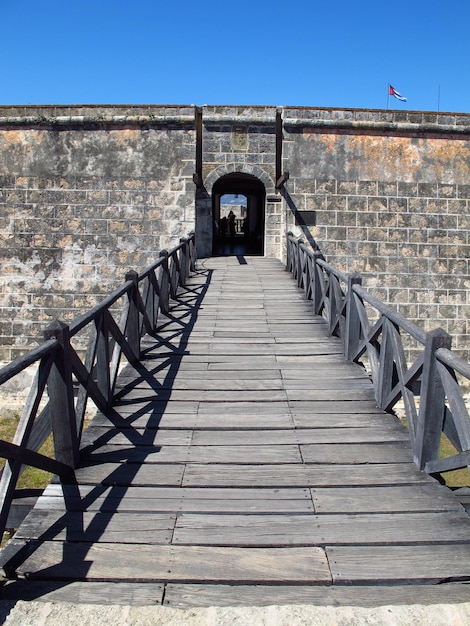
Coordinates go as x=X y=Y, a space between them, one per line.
x=388 y=94
x=438 y=99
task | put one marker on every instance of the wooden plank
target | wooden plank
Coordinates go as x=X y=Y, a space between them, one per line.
x=329 y=384
x=21 y=506
x=253 y=382
x=98 y=526
x=130 y=474
x=204 y=421
x=302 y=436
x=196 y=373
x=240 y=364
x=430 y=564
x=134 y=436
x=163 y=499
x=97 y=562
x=392 y=498
x=351 y=407
x=242 y=407
x=288 y=475
x=286 y=530
x=345 y=420
x=342 y=370
x=241 y=421
x=188 y=596
x=162 y=420
x=247 y=349
x=211 y=395
x=127 y=594
x=340 y=395
x=194 y=454
x=157 y=407
x=349 y=453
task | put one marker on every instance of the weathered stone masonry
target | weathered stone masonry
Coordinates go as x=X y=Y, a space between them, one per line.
x=391 y=195
x=87 y=193
x=84 y=198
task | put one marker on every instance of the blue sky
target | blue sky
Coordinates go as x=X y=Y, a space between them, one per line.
x=305 y=53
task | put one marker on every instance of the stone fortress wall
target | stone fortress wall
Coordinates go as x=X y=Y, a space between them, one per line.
x=87 y=193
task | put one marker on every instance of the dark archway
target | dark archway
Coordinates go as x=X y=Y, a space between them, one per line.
x=246 y=236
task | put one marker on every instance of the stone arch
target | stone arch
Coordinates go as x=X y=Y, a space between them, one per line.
x=245 y=233
x=239 y=168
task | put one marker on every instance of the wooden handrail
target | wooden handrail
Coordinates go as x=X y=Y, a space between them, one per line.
x=65 y=380
x=425 y=378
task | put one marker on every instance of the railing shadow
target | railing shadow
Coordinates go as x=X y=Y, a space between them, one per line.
x=57 y=405
x=429 y=380
x=112 y=489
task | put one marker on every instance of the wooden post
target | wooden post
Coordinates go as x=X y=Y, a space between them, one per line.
x=386 y=365
x=103 y=358
x=133 y=326
x=61 y=399
x=352 y=331
x=164 y=282
x=431 y=407
x=317 y=293
x=184 y=262
x=299 y=263
x=334 y=302
x=192 y=251
x=288 y=251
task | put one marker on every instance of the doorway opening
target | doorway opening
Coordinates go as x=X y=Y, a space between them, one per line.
x=238 y=212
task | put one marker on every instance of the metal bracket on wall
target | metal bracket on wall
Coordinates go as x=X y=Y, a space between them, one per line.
x=282 y=180
x=197 y=180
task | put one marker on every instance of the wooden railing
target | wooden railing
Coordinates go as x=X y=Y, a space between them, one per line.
x=64 y=380
x=430 y=390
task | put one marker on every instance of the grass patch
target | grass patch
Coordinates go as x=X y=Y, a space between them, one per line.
x=32 y=478
x=456 y=478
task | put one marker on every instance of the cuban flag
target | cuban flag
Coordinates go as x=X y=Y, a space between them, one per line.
x=394 y=92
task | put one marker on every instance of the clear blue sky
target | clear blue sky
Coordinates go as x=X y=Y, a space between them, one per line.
x=300 y=52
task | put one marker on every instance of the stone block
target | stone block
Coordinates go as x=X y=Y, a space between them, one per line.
x=377 y=204
x=336 y=203
x=446 y=191
x=348 y=188
x=337 y=233
x=406 y=189
x=367 y=188
x=427 y=190
x=388 y=220
x=398 y=205
x=302 y=185
x=357 y=203
x=377 y=234
x=346 y=218
x=315 y=203
x=388 y=189
x=463 y=191
x=458 y=267
x=457 y=207
x=327 y=187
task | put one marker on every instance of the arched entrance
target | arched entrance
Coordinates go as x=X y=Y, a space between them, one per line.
x=238 y=212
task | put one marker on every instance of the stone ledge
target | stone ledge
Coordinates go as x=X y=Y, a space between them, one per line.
x=49 y=614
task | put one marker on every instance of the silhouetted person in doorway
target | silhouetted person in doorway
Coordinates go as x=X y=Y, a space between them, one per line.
x=245 y=228
x=231 y=224
x=223 y=227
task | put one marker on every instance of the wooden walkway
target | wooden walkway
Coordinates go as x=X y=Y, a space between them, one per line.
x=246 y=463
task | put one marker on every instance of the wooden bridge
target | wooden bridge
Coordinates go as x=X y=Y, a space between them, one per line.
x=243 y=460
